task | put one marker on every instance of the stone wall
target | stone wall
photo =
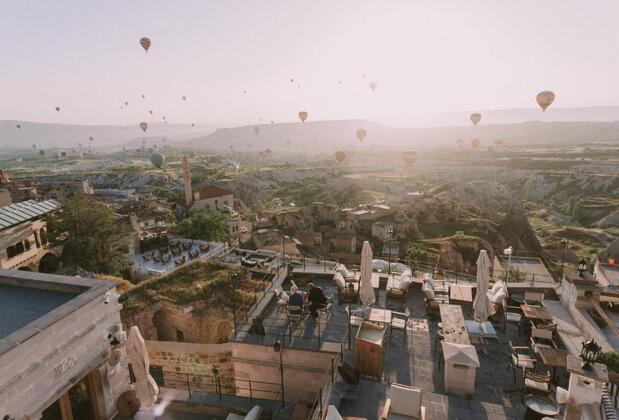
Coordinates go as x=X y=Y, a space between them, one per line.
x=195 y=323
x=38 y=371
x=191 y=365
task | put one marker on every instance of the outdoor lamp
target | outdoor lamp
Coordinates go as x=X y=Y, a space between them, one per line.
x=215 y=371
x=508 y=251
x=277 y=346
x=589 y=353
x=582 y=267
x=563 y=243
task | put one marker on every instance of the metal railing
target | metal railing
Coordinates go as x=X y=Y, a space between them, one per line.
x=609 y=403
x=220 y=386
x=319 y=407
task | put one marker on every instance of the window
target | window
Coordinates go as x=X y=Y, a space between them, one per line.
x=27 y=244
x=180 y=336
x=36 y=239
x=43 y=236
x=15 y=250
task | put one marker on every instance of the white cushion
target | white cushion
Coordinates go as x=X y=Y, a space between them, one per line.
x=497 y=286
x=405 y=281
x=343 y=270
x=429 y=293
x=499 y=295
x=405 y=400
x=538 y=386
x=427 y=278
x=339 y=280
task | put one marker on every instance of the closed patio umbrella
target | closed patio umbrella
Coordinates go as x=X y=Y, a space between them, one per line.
x=366 y=291
x=481 y=305
x=145 y=385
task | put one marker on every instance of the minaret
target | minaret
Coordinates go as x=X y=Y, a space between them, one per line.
x=187 y=182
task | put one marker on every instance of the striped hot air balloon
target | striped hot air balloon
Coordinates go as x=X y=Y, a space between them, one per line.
x=361 y=133
x=475 y=143
x=145 y=43
x=475 y=117
x=340 y=156
x=143 y=126
x=303 y=116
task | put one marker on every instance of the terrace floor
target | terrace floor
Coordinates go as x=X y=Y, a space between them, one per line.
x=496 y=396
x=148 y=267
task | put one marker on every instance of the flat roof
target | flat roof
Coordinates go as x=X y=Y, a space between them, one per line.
x=17 y=213
x=31 y=302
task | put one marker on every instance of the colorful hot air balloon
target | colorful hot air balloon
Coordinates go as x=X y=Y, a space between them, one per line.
x=410 y=158
x=143 y=126
x=256 y=130
x=373 y=85
x=475 y=117
x=157 y=159
x=361 y=133
x=303 y=116
x=340 y=156
x=475 y=143
x=18 y=125
x=544 y=99
x=57 y=109
x=498 y=142
x=145 y=43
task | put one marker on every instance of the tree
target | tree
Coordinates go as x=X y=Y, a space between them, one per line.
x=205 y=224
x=89 y=236
x=414 y=254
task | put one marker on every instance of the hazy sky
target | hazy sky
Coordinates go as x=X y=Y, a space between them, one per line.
x=425 y=56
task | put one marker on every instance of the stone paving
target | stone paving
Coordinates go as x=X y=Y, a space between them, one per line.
x=497 y=396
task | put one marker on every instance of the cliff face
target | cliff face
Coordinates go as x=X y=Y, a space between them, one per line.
x=460 y=252
x=515 y=230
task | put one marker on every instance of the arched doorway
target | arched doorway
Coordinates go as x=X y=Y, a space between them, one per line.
x=50 y=263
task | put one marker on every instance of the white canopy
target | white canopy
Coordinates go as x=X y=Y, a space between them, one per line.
x=145 y=386
x=366 y=291
x=481 y=305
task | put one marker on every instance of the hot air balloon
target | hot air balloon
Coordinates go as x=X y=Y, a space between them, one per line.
x=91 y=138
x=143 y=96
x=126 y=103
x=57 y=109
x=291 y=80
x=18 y=126
x=498 y=142
x=544 y=99
x=193 y=125
x=303 y=116
x=143 y=126
x=145 y=43
x=475 y=117
x=373 y=85
x=340 y=156
x=361 y=133
x=151 y=112
x=256 y=130
x=184 y=98
x=410 y=158
x=475 y=143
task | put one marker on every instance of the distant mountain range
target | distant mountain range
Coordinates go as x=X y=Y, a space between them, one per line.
x=519 y=126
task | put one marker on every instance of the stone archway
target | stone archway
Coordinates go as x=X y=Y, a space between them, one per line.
x=49 y=263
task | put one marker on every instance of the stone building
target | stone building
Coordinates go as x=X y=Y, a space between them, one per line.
x=23 y=234
x=212 y=197
x=61 y=347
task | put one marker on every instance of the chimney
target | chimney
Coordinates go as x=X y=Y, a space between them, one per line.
x=187 y=182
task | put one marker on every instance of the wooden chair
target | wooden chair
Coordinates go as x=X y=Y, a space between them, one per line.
x=519 y=359
x=404 y=402
x=355 y=316
x=348 y=293
x=536 y=383
x=432 y=300
x=295 y=313
x=399 y=321
x=511 y=315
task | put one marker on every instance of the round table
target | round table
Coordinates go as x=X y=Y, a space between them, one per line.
x=539 y=407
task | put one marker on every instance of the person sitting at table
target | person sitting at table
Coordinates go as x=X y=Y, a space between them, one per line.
x=296 y=298
x=317 y=299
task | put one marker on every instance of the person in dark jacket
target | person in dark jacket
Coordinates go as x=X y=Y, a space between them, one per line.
x=316 y=298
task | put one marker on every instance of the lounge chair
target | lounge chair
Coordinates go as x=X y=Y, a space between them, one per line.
x=433 y=300
x=254 y=414
x=346 y=292
x=348 y=276
x=355 y=316
x=404 y=402
x=397 y=288
x=399 y=321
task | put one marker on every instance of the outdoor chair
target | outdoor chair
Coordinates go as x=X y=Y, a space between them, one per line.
x=519 y=359
x=295 y=313
x=536 y=383
x=355 y=316
x=512 y=315
x=398 y=288
x=346 y=292
x=281 y=302
x=404 y=402
x=399 y=321
x=186 y=246
x=204 y=247
x=432 y=300
x=347 y=275
x=254 y=414
x=325 y=308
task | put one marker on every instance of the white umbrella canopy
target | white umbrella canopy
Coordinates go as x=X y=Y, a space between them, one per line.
x=145 y=386
x=481 y=305
x=366 y=291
